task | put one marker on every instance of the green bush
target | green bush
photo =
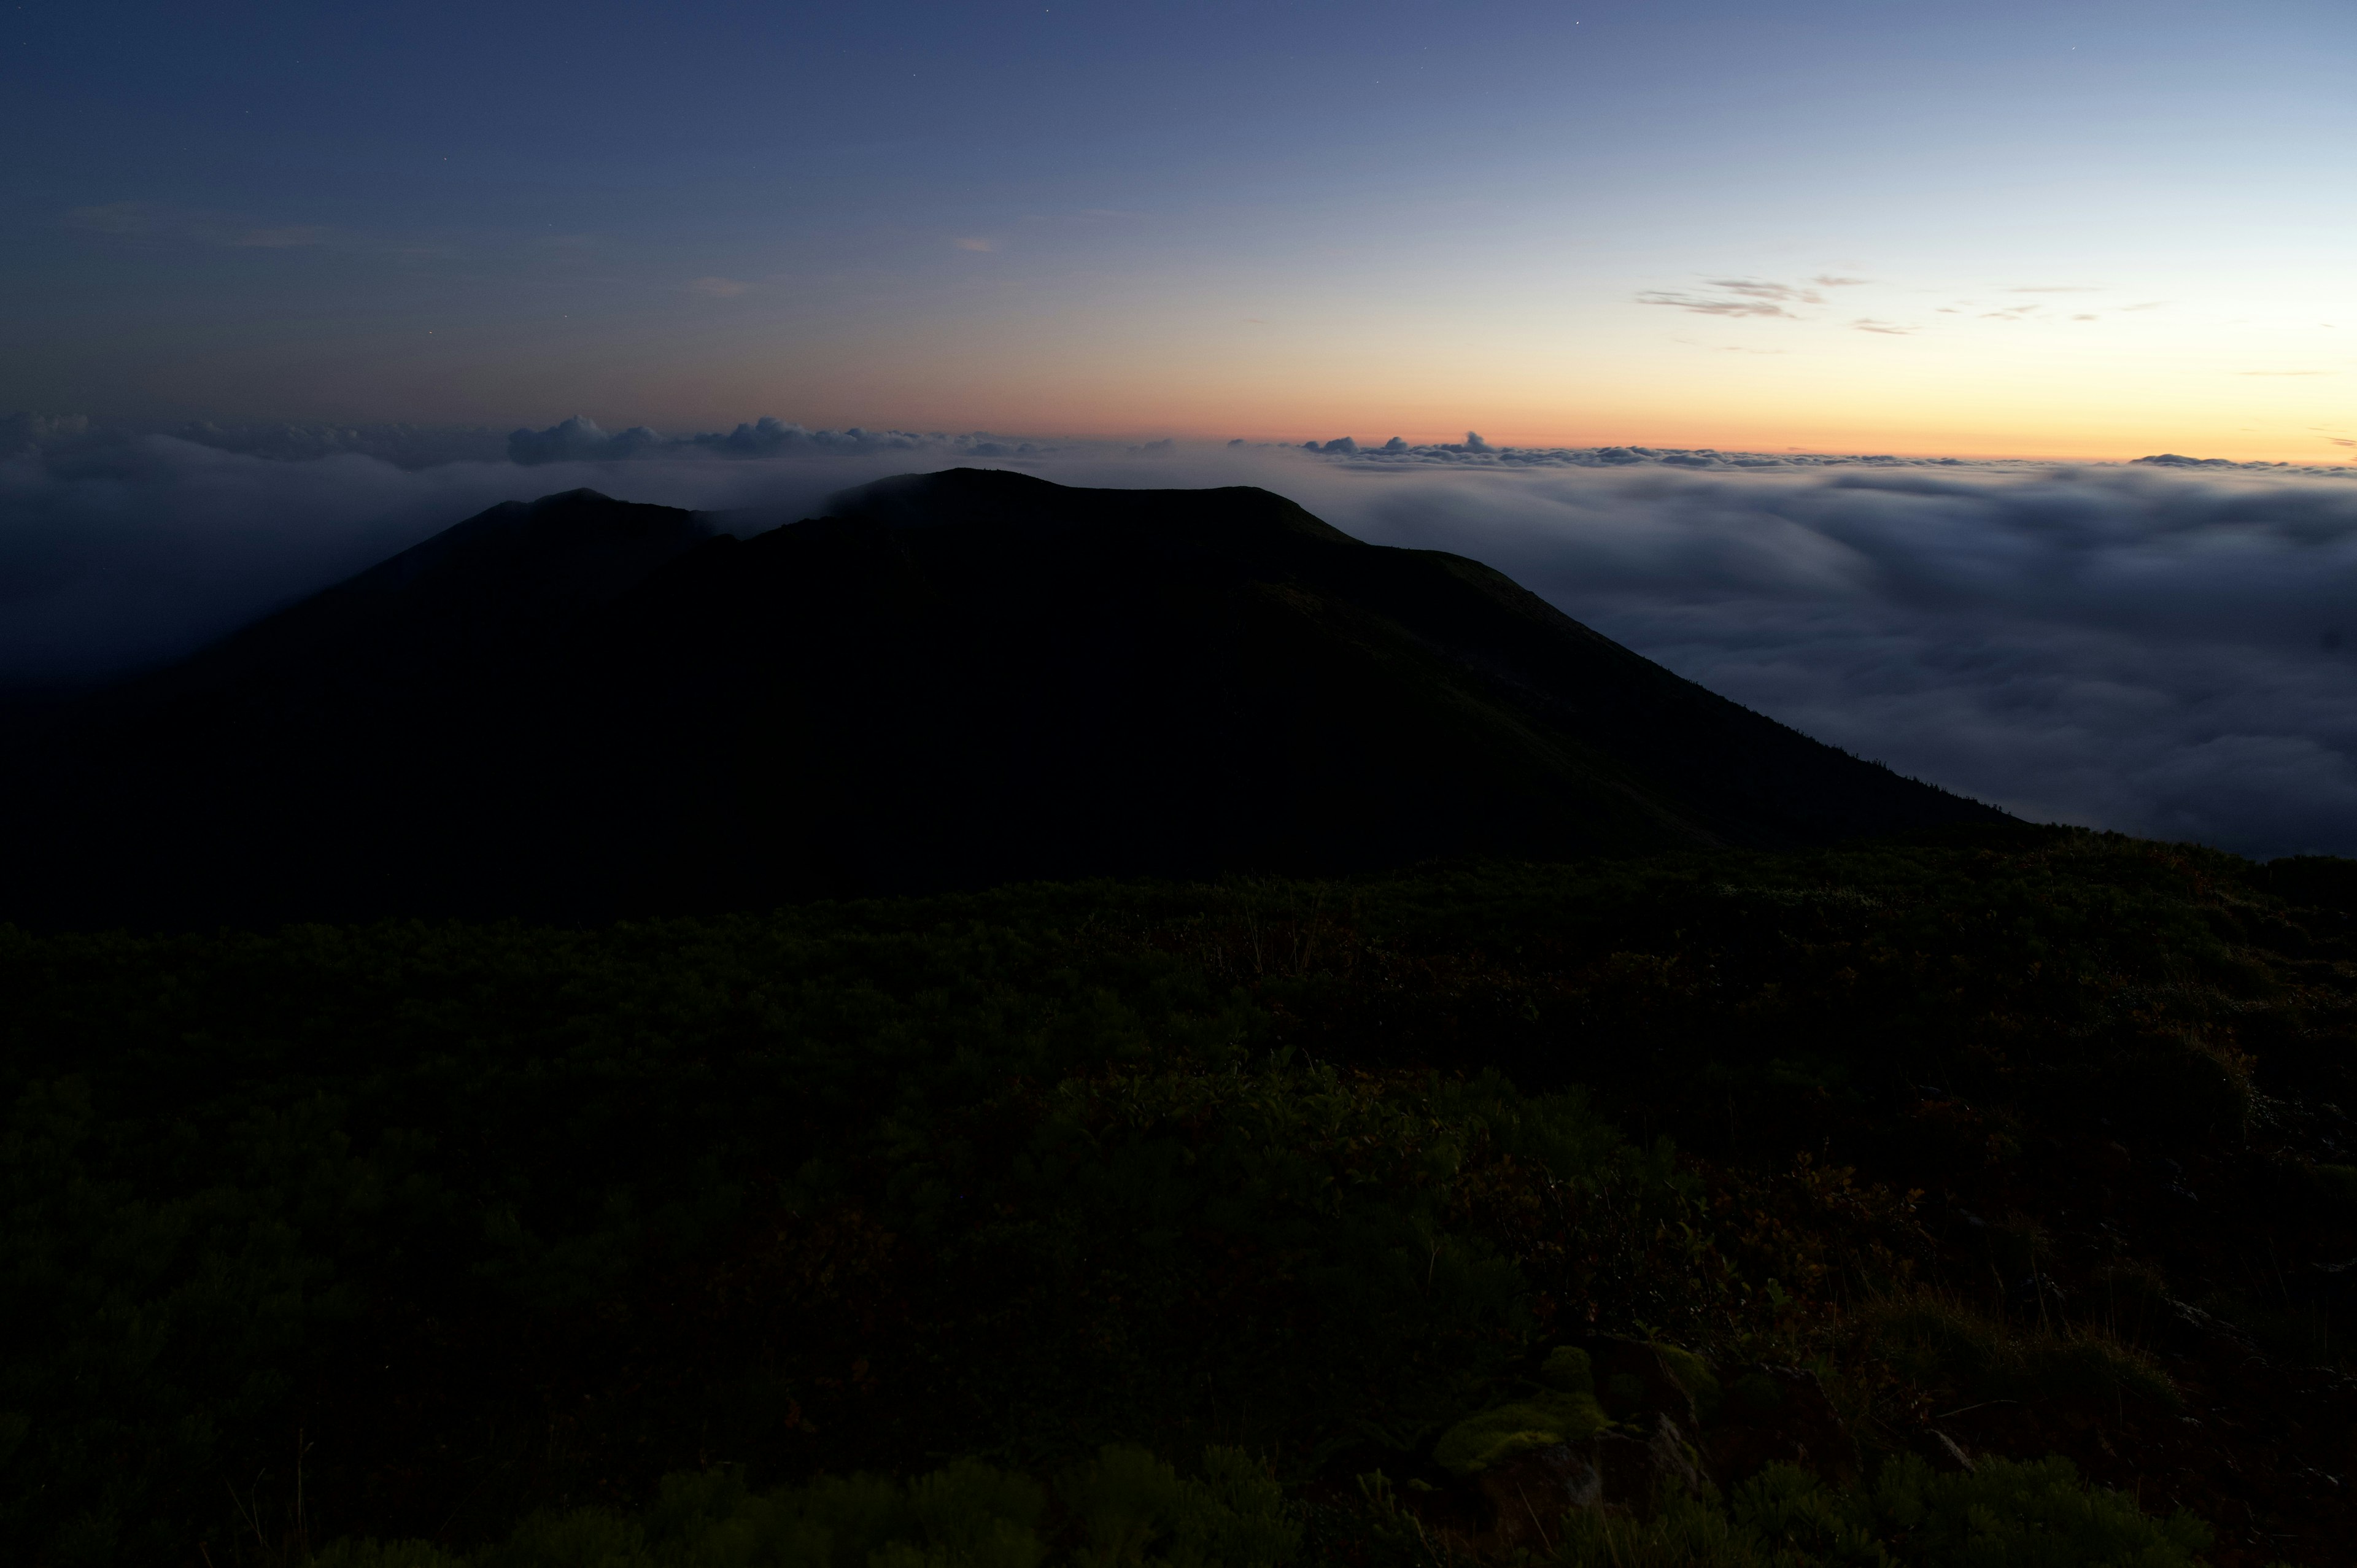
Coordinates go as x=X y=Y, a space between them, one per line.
x=2002 y=1515
x=1939 y=1341
x=1135 y=1509
x=383 y=1554
x=580 y=1538
x=1568 y=1369
x=1693 y=1374
x=1540 y=1421
x=1125 y=1508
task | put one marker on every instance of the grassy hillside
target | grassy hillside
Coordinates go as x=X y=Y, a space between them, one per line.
x=2034 y=1142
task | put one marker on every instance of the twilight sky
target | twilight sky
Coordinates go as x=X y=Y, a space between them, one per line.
x=2091 y=230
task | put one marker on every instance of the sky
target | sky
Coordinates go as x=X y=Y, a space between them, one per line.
x=2086 y=230
x=1812 y=347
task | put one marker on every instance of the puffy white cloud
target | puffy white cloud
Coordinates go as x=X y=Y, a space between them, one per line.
x=578 y=440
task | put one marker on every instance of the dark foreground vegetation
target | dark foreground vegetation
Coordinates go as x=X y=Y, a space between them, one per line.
x=1973 y=1201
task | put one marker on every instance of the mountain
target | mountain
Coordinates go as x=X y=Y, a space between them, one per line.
x=583 y=708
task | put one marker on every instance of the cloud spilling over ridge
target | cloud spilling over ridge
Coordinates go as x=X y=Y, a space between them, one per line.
x=2121 y=647
x=123 y=545
x=117 y=552
x=2166 y=648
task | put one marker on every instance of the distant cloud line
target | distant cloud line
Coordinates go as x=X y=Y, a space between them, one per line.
x=1477 y=453
x=87 y=446
x=579 y=440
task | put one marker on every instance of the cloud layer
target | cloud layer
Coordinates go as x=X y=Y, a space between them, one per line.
x=2138 y=648
x=2167 y=648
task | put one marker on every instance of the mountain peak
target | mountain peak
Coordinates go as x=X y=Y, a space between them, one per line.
x=1024 y=505
x=511 y=573
x=581 y=707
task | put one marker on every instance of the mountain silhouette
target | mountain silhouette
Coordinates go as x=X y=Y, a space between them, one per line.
x=582 y=707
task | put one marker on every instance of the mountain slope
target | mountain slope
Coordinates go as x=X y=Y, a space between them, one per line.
x=585 y=707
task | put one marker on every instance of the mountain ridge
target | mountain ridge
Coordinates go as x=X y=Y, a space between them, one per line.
x=580 y=707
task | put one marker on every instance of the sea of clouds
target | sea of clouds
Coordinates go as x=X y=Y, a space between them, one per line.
x=2166 y=648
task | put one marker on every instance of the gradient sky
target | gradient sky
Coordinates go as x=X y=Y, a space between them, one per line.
x=2085 y=230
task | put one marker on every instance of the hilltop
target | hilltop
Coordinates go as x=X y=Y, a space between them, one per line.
x=583 y=708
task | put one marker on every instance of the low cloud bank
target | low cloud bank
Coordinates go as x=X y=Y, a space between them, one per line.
x=2166 y=648
x=2119 y=647
x=118 y=552
x=79 y=443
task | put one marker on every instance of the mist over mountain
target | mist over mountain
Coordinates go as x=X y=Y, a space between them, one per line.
x=2149 y=648
x=583 y=708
